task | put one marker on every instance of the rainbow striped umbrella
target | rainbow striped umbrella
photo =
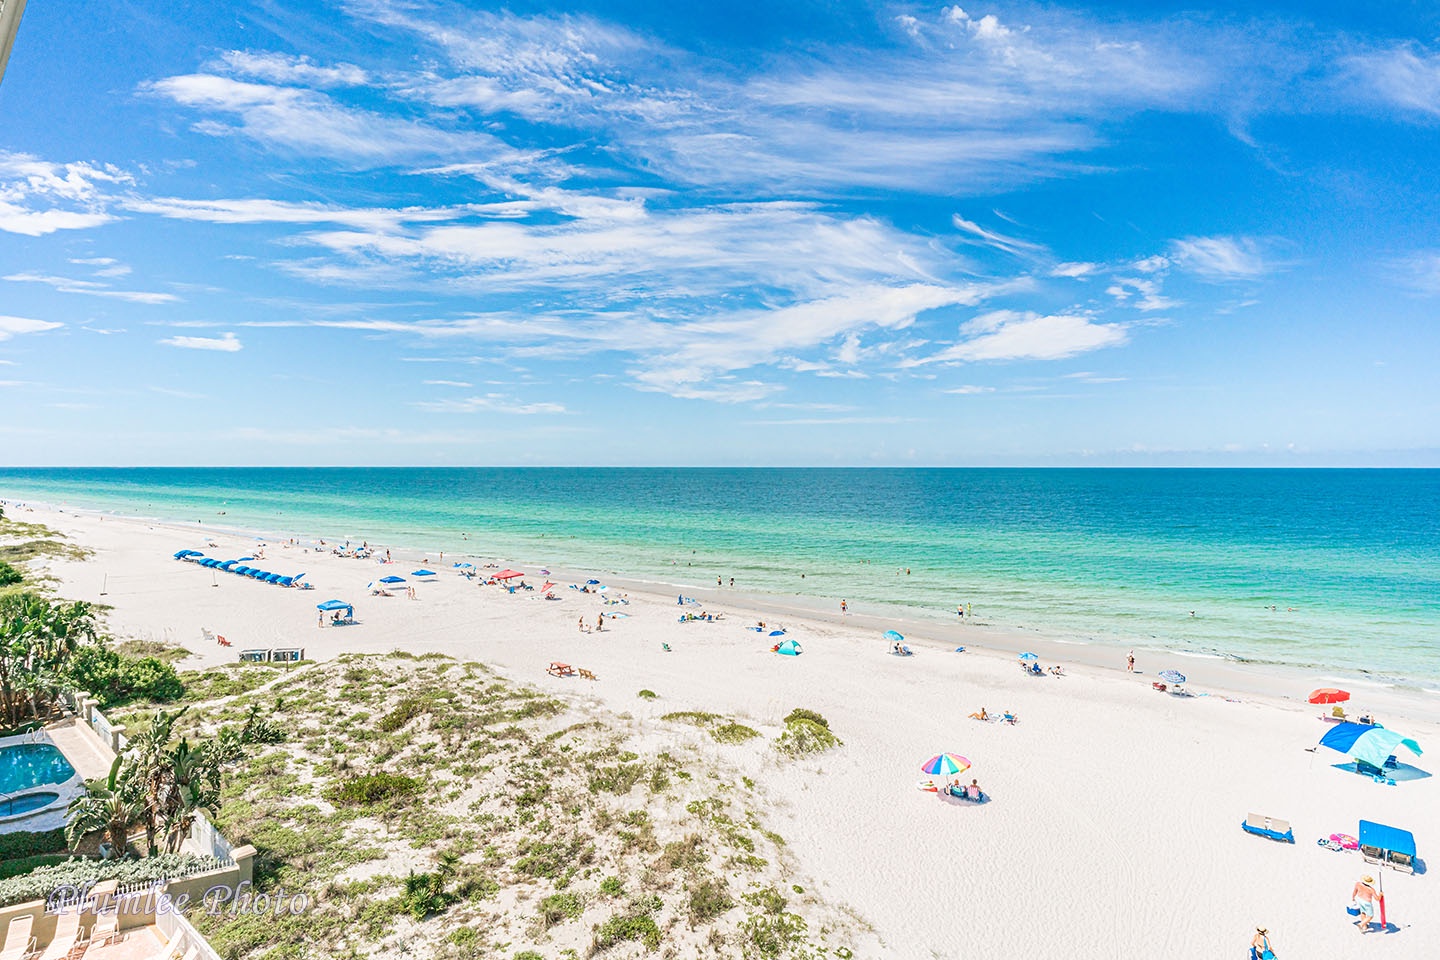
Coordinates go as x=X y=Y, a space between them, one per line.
x=945 y=764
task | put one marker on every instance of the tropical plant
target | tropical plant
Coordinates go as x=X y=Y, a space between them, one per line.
x=111 y=806
x=37 y=639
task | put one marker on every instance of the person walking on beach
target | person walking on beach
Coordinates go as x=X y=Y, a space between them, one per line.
x=844 y=608
x=1260 y=945
x=1365 y=897
x=582 y=624
x=1130 y=662
x=600 y=622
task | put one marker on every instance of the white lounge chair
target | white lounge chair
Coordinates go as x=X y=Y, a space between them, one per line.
x=18 y=941
x=67 y=934
x=106 y=928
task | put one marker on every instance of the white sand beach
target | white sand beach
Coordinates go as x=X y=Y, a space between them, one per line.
x=1113 y=828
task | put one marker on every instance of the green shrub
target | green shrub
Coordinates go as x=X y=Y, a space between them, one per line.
x=115 y=679
x=25 y=844
x=695 y=717
x=9 y=574
x=559 y=907
x=405 y=711
x=709 y=897
x=804 y=736
x=617 y=779
x=612 y=887
x=371 y=788
x=647 y=694
x=800 y=713
x=733 y=733
x=425 y=894
x=636 y=924
x=41 y=882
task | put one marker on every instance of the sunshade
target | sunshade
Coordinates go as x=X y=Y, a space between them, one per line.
x=507 y=574
x=1329 y=695
x=465 y=566
x=1028 y=656
x=548 y=586
x=1386 y=838
x=1172 y=676
x=777 y=633
x=422 y=573
x=392 y=579
x=333 y=605
x=892 y=636
x=945 y=764
x=592 y=582
x=1372 y=744
x=789 y=648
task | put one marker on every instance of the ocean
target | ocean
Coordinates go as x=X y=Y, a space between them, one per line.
x=1333 y=570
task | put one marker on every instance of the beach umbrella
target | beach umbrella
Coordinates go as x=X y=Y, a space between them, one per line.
x=1172 y=676
x=945 y=765
x=1028 y=656
x=547 y=587
x=544 y=572
x=892 y=636
x=392 y=579
x=592 y=582
x=508 y=574
x=465 y=566
x=777 y=633
x=1329 y=695
x=1371 y=744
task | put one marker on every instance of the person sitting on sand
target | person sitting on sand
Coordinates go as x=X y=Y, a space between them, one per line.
x=981 y=715
x=973 y=791
x=1011 y=717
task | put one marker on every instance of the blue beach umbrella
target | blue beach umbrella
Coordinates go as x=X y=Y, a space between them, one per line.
x=1371 y=744
x=777 y=633
x=1028 y=656
x=1172 y=676
x=892 y=636
x=591 y=583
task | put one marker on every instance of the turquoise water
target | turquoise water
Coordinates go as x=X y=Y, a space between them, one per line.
x=29 y=765
x=1350 y=559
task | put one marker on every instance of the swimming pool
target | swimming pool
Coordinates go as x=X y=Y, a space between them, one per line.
x=28 y=765
x=15 y=806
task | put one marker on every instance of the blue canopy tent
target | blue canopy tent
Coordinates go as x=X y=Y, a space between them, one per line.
x=336 y=605
x=1382 y=844
x=392 y=579
x=1370 y=746
x=789 y=649
x=422 y=573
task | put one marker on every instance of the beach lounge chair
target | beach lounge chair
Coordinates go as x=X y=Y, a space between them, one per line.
x=18 y=941
x=1387 y=845
x=67 y=934
x=586 y=674
x=1269 y=827
x=1009 y=718
x=106 y=928
x=1159 y=686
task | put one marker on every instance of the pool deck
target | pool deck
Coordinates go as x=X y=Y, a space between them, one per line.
x=90 y=758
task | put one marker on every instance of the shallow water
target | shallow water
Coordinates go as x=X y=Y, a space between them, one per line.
x=1348 y=559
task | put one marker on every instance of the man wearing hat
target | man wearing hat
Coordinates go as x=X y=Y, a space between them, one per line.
x=1365 y=897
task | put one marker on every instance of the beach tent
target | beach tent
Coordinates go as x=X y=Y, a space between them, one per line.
x=330 y=605
x=789 y=648
x=422 y=573
x=508 y=574
x=1365 y=743
x=392 y=579
x=1382 y=844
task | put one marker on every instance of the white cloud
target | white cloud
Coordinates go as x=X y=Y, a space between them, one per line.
x=279 y=211
x=1420 y=271
x=490 y=403
x=989 y=238
x=1077 y=271
x=1147 y=292
x=1220 y=259
x=447 y=383
x=227 y=343
x=92 y=288
x=969 y=389
x=38 y=197
x=301 y=71
x=1405 y=76
x=14 y=326
x=314 y=123
x=1016 y=335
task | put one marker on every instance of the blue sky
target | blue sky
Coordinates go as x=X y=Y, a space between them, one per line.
x=390 y=232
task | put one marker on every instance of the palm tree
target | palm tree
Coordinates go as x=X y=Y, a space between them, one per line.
x=111 y=807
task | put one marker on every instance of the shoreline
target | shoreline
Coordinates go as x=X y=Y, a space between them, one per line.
x=1227 y=676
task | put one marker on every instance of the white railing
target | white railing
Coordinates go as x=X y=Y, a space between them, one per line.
x=171 y=922
x=207 y=840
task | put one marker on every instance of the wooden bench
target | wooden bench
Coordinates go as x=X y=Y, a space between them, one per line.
x=586 y=674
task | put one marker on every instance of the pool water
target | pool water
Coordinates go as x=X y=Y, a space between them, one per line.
x=30 y=801
x=28 y=765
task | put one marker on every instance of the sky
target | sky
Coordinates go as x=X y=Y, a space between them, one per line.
x=802 y=233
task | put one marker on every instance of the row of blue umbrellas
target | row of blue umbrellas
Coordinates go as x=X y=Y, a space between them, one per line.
x=238 y=568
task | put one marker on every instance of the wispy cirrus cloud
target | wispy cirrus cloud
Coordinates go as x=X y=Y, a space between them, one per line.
x=1406 y=76
x=1003 y=335
x=490 y=403
x=1419 y=271
x=93 y=288
x=1220 y=259
x=15 y=326
x=226 y=343
x=299 y=71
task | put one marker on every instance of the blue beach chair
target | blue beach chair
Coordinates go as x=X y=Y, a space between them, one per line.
x=1269 y=827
